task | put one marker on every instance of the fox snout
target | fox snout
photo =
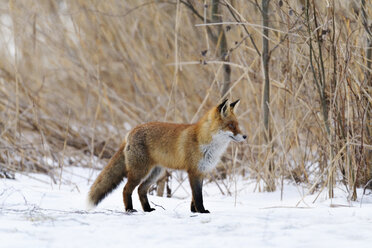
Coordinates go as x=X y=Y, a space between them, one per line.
x=238 y=137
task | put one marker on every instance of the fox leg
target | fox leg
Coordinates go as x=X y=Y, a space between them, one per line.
x=153 y=176
x=196 y=183
x=193 y=209
x=133 y=180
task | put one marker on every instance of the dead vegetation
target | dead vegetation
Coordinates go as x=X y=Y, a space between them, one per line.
x=75 y=76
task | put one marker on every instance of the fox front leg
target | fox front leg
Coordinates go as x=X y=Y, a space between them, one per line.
x=196 y=183
x=193 y=209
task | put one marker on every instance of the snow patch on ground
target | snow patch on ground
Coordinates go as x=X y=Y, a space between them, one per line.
x=37 y=214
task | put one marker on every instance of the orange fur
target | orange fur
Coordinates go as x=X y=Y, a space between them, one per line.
x=152 y=146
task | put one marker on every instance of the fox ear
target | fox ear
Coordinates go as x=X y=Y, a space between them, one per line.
x=222 y=108
x=234 y=105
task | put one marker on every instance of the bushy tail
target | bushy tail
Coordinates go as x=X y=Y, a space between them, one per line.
x=109 y=178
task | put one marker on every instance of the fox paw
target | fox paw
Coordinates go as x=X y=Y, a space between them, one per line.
x=202 y=211
x=131 y=210
x=149 y=209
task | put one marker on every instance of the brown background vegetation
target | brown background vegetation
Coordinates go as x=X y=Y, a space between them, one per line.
x=76 y=75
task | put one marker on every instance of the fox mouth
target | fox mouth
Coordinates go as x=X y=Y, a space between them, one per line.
x=233 y=138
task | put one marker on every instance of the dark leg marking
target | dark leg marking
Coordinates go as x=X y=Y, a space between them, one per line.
x=193 y=209
x=127 y=193
x=196 y=183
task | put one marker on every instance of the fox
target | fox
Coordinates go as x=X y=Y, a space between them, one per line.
x=150 y=148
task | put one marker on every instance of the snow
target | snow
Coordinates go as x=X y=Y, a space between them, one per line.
x=37 y=213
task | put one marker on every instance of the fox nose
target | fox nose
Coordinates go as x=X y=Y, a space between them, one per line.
x=244 y=136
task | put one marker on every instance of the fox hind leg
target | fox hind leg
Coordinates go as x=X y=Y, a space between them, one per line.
x=153 y=176
x=127 y=193
x=133 y=180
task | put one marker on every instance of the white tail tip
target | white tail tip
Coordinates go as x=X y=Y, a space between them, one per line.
x=89 y=204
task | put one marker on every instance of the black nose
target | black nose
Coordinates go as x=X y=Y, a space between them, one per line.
x=244 y=136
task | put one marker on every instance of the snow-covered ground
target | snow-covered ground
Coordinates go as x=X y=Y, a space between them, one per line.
x=36 y=213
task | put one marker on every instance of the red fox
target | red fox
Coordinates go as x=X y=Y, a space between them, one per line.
x=150 y=148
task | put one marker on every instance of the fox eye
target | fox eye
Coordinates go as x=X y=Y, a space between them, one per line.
x=231 y=125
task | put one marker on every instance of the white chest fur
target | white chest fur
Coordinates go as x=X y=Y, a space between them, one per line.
x=213 y=151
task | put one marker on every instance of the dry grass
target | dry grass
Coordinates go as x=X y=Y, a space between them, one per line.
x=75 y=75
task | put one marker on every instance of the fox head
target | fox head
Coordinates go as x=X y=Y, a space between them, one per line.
x=225 y=122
